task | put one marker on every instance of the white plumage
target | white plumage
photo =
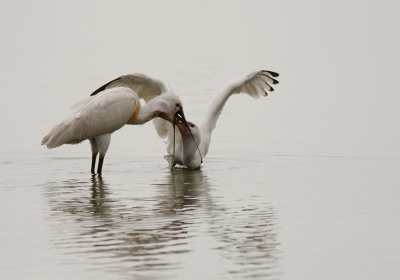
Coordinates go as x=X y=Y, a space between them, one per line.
x=105 y=113
x=111 y=107
x=255 y=84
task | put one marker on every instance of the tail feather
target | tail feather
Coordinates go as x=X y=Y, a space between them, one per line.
x=63 y=133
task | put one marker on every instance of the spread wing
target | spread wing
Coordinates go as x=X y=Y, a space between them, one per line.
x=255 y=84
x=146 y=87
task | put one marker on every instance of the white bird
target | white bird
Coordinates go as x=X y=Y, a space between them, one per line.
x=191 y=145
x=111 y=107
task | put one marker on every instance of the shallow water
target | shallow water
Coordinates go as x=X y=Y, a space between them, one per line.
x=303 y=184
x=156 y=235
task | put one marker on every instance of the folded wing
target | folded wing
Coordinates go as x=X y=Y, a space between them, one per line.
x=105 y=113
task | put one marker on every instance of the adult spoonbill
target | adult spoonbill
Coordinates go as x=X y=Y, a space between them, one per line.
x=111 y=107
x=191 y=145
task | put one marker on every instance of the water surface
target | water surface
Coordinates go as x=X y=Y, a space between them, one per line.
x=303 y=184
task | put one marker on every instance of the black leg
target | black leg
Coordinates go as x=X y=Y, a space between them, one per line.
x=100 y=166
x=94 y=156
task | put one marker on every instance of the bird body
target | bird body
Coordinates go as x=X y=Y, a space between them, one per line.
x=110 y=108
x=104 y=114
x=187 y=139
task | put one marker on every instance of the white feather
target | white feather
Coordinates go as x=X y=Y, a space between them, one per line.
x=146 y=87
x=81 y=103
x=103 y=114
x=109 y=108
x=253 y=84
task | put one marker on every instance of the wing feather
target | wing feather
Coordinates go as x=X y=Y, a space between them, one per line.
x=258 y=85
x=268 y=79
x=251 y=89
x=255 y=84
x=105 y=113
x=145 y=86
x=81 y=103
x=165 y=130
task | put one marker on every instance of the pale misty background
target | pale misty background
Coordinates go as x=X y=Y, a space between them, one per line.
x=322 y=151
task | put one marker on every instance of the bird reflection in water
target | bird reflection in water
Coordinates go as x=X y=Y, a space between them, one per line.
x=99 y=193
x=153 y=236
x=183 y=190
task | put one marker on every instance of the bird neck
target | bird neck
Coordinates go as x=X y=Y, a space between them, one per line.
x=191 y=156
x=148 y=112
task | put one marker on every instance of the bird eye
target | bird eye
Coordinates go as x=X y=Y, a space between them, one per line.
x=191 y=125
x=177 y=105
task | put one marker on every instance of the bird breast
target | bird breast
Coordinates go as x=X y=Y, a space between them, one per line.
x=134 y=118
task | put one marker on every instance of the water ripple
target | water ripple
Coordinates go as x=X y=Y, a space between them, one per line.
x=153 y=236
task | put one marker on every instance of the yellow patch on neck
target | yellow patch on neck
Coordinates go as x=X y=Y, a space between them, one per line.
x=133 y=119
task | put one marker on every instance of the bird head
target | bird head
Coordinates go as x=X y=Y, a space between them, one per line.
x=191 y=138
x=189 y=131
x=169 y=106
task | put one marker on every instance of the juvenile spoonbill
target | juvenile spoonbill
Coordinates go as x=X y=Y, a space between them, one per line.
x=191 y=145
x=111 y=107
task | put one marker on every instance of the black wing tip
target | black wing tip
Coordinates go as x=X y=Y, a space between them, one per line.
x=273 y=74
x=274 y=82
x=98 y=90
x=104 y=86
